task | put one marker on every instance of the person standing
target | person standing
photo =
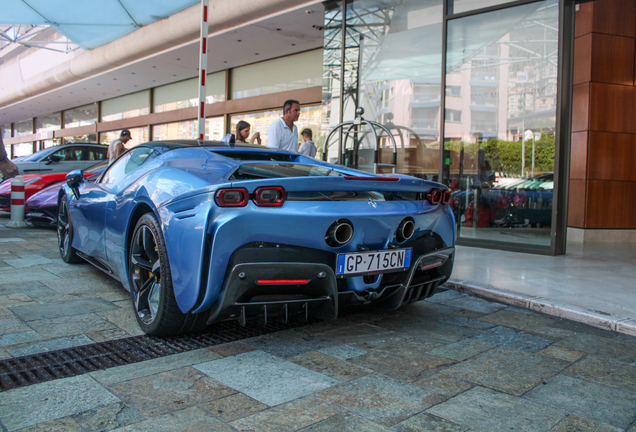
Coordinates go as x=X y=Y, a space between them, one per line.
x=307 y=147
x=243 y=132
x=116 y=147
x=283 y=133
x=7 y=168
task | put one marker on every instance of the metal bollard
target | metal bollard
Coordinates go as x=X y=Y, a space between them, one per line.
x=17 y=204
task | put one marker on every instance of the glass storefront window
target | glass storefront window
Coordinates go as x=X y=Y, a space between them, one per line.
x=24 y=149
x=274 y=76
x=185 y=94
x=400 y=83
x=128 y=106
x=81 y=116
x=87 y=138
x=500 y=117
x=459 y=6
x=48 y=123
x=177 y=130
x=49 y=143
x=6 y=131
x=214 y=130
x=398 y=48
x=24 y=127
x=310 y=117
x=139 y=135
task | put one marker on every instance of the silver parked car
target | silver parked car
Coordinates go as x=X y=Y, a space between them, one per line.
x=63 y=158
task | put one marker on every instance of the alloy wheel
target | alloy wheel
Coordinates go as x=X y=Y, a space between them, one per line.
x=63 y=228
x=145 y=271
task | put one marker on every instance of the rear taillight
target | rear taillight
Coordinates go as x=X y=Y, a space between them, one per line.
x=232 y=197
x=434 y=196
x=269 y=196
x=446 y=197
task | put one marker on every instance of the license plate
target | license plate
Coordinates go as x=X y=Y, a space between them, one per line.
x=373 y=262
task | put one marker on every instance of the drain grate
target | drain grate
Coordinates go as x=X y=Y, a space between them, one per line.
x=64 y=363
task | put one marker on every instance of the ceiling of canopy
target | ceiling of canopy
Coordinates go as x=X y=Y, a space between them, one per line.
x=90 y=23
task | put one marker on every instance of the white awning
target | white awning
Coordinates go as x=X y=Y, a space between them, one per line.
x=90 y=23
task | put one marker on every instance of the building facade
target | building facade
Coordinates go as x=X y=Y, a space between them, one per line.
x=491 y=97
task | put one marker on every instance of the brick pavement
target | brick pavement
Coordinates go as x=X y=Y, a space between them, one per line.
x=452 y=363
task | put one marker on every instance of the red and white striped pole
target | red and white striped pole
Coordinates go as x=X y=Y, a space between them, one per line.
x=17 y=204
x=203 y=65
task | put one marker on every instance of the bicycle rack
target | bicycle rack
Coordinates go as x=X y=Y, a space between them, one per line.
x=354 y=125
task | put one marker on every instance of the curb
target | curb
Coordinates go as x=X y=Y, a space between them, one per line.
x=546 y=306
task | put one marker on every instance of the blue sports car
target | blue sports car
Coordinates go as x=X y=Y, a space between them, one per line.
x=201 y=232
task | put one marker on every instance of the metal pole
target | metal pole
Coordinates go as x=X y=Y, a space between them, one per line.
x=442 y=105
x=203 y=65
x=343 y=32
x=563 y=128
x=523 y=145
x=532 y=174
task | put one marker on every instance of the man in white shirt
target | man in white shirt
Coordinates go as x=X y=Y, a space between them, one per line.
x=282 y=133
x=307 y=147
x=116 y=147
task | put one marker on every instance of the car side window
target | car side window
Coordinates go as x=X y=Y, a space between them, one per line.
x=73 y=154
x=94 y=154
x=61 y=153
x=127 y=163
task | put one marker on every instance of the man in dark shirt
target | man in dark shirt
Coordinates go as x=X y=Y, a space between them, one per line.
x=7 y=168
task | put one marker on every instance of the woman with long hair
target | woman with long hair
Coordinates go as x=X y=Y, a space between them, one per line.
x=243 y=131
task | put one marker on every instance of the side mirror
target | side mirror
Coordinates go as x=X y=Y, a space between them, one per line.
x=74 y=179
x=228 y=140
x=52 y=159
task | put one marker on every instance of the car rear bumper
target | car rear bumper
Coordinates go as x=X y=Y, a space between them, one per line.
x=280 y=290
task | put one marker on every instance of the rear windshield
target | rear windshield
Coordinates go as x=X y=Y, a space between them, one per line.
x=277 y=170
x=254 y=155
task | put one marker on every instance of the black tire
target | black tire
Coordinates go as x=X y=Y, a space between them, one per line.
x=65 y=233
x=150 y=279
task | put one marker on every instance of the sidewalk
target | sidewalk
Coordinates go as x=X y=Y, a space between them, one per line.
x=593 y=284
x=453 y=362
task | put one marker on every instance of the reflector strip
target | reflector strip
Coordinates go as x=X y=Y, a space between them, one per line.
x=282 y=281
x=430 y=266
x=371 y=178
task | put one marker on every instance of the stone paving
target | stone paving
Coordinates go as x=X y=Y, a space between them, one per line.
x=452 y=363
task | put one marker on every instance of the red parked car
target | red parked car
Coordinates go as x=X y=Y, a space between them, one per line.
x=34 y=183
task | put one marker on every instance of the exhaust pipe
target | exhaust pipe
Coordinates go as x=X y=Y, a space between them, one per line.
x=339 y=233
x=405 y=230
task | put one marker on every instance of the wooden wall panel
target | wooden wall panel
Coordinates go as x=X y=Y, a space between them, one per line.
x=576 y=204
x=583 y=19
x=582 y=72
x=614 y=17
x=611 y=108
x=612 y=156
x=581 y=107
x=578 y=156
x=612 y=59
x=610 y=204
x=603 y=157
